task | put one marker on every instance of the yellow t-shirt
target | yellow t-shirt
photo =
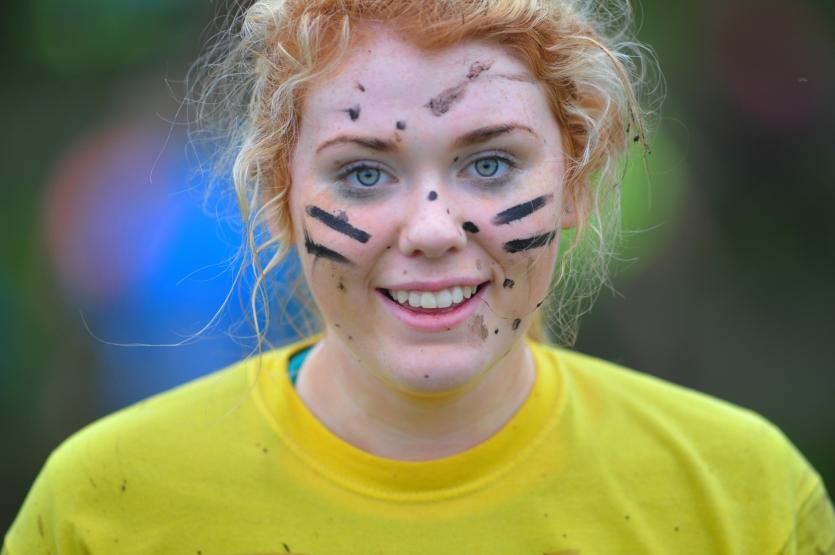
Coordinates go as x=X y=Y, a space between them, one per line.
x=599 y=459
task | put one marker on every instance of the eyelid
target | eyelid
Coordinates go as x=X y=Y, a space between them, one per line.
x=350 y=167
x=503 y=155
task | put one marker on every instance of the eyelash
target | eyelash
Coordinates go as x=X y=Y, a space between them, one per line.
x=493 y=181
x=358 y=189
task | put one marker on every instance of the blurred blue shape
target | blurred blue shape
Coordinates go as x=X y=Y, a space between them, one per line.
x=142 y=260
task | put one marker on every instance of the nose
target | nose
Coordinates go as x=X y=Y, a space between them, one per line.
x=431 y=227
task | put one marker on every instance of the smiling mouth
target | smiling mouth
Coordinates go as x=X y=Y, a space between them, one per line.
x=434 y=302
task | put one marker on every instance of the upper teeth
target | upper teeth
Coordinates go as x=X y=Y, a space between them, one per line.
x=434 y=299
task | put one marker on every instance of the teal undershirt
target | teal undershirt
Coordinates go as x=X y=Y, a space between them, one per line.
x=295 y=364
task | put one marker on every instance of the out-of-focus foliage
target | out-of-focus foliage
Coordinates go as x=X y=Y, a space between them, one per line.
x=84 y=35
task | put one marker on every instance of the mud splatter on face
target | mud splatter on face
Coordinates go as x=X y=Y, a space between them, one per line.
x=476 y=68
x=516 y=323
x=508 y=283
x=440 y=104
x=528 y=243
x=432 y=196
x=341 y=287
x=353 y=112
x=479 y=327
x=400 y=125
x=470 y=227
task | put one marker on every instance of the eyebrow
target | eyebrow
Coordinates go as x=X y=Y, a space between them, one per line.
x=477 y=136
x=367 y=142
x=484 y=134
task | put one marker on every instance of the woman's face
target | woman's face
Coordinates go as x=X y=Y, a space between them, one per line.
x=427 y=195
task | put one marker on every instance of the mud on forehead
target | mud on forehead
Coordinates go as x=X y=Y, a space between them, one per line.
x=376 y=63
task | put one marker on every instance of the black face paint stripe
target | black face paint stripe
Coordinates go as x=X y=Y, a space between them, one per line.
x=519 y=245
x=321 y=251
x=338 y=224
x=521 y=210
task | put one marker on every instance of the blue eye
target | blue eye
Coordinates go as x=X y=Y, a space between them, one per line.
x=367 y=176
x=362 y=175
x=486 y=167
x=489 y=167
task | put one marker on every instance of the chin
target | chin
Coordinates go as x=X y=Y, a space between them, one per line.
x=436 y=370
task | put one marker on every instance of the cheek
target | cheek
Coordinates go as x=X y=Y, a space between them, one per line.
x=338 y=244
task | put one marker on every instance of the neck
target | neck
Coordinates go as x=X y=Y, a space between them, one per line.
x=373 y=416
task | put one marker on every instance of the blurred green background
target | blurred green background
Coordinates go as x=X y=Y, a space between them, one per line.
x=727 y=288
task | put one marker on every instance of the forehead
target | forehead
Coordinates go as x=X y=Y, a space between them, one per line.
x=383 y=77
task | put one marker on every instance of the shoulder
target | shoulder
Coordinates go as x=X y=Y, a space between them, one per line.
x=657 y=420
x=733 y=458
x=614 y=388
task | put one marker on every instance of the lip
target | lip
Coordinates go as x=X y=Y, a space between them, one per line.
x=440 y=320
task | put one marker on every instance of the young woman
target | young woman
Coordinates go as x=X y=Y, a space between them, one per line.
x=424 y=159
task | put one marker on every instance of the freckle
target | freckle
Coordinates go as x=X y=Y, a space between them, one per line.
x=626 y=517
x=405 y=272
x=360 y=87
x=341 y=286
x=265 y=450
x=388 y=247
x=337 y=326
x=455 y=159
x=447 y=210
x=508 y=283
x=496 y=331
x=432 y=195
x=350 y=338
x=401 y=125
x=516 y=323
x=426 y=376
